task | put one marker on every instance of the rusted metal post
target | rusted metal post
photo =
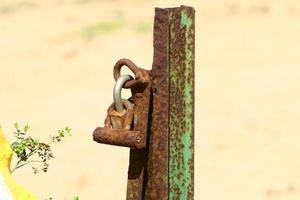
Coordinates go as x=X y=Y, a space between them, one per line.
x=171 y=146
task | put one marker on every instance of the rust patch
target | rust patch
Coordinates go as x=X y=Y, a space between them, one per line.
x=157 y=185
x=137 y=175
x=141 y=75
x=119 y=137
x=122 y=120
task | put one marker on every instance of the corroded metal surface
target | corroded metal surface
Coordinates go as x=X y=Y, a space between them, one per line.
x=181 y=119
x=141 y=75
x=119 y=137
x=157 y=185
x=122 y=119
x=116 y=128
x=171 y=147
x=137 y=175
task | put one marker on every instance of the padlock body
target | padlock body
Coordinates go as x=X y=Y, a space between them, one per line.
x=120 y=120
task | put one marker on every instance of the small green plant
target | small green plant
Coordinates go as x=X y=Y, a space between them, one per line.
x=30 y=150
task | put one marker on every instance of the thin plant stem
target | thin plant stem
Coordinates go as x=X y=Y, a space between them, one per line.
x=21 y=165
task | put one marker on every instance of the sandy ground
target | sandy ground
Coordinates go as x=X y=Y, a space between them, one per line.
x=56 y=60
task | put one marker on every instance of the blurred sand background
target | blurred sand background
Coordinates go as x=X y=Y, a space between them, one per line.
x=56 y=60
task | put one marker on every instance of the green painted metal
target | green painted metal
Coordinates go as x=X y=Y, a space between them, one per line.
x=181 y=103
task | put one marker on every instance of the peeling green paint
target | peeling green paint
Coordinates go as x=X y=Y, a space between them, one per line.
x=181 y=121
x=186 y=20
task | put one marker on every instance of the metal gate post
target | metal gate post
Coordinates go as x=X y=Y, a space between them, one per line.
x=160 y=129
x=171 y=146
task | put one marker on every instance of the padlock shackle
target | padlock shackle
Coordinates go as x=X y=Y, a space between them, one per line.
x=117 y=91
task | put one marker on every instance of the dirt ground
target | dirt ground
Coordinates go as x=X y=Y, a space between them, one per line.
x=56 y=60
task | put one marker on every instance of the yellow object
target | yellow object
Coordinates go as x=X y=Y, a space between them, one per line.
x=9 y=189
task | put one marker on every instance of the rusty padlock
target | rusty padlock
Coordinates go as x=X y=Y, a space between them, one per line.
x=127 y=120
x=119 y=120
